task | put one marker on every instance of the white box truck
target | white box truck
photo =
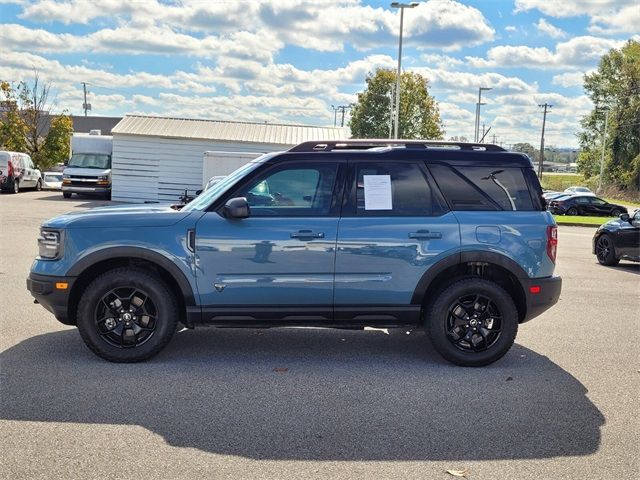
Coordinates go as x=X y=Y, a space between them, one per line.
x=89 y=168
x=219 y=164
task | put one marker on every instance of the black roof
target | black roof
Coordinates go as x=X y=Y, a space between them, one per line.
x=453 y=153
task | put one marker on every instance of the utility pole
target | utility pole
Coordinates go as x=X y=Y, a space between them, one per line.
x=85 y=105
x=544 y=121
x=341 y=108
x=604 y=142
x=476 y=135
x=494 y=139
x=335 y=115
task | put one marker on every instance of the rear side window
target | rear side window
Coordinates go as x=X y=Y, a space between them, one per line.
x=394 y=189
x=483 y=188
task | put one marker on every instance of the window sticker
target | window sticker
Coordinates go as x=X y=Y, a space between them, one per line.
x=377 y=192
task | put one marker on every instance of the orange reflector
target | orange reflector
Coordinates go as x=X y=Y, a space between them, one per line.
x=61 y=285
x=534 y=289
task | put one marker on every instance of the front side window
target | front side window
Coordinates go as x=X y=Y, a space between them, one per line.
x=294 y=190
x=394 y=189
x=597 y=201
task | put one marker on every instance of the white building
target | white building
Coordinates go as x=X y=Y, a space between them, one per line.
x=157 y=158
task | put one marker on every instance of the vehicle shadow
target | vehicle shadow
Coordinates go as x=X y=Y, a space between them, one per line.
x=89 y=201
x=309 y=394
x=630 y=267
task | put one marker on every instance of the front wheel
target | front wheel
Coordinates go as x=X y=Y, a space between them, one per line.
x=616 y=212
x=606 y=252
x=127 y=315
x=473 y=322
x=38 y=185
x=66 y=194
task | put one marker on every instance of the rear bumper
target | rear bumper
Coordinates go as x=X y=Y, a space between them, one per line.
x=45 y=290
x=547 y=296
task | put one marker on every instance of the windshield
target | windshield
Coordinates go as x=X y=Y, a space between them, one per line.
x=209 y=196
x=53 y=177
x=90 y=160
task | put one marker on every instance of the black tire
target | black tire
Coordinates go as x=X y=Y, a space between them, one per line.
x=66 y=194
x=573 y=211
x=38 y=185
x=16 y=186
x=606 y=251
x=615 y=212
x=109 y=337
x=499 y=317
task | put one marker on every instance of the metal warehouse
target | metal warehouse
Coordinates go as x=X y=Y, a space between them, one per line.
x=157 y=158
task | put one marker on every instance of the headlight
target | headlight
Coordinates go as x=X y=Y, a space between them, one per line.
x=49 y=244
x=104 y=180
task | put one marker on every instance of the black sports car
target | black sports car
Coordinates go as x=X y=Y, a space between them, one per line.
x=618 y=239
x=585 y=205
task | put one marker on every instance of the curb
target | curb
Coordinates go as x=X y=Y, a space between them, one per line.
x=578 y=225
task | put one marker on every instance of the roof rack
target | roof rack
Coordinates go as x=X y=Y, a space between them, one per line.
x=363 y=144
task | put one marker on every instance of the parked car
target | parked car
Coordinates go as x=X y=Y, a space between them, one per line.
x=585 y=205
x=618 y=239
x=52 y=180
x=17 y=171
x=548 y=196
x=450 y=237
x=584 y=191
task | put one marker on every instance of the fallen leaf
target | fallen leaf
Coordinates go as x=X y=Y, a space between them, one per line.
x=458 y=473
x=280 y=369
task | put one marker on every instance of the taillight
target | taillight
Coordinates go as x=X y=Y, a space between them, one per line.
x=552 y=243
x=10 y=169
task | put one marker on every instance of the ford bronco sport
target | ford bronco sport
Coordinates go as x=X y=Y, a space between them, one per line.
x=451 y=237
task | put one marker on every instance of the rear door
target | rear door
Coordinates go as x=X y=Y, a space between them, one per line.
x=394 y=226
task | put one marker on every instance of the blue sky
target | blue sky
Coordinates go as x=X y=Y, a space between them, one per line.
x=289 y=61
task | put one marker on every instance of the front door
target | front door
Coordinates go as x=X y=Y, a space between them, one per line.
x=395 y=228
x=278 y=264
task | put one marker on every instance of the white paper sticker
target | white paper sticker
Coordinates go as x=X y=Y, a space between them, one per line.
x=377 y=192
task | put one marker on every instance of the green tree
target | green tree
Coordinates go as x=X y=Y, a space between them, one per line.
x=614 y=86
x=419 y=114
x=13 y=129
x=527 y=148
x=56 y=147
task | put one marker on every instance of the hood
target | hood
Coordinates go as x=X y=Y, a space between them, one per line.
x=86 y=172
x=156 y=215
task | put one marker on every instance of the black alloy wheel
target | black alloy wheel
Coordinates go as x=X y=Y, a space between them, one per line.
x=616 y=212
x=474 y=323
x=127 y=315
x=573 y=211
x=605 y=251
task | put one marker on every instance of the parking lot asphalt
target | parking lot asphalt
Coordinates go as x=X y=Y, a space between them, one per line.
x=314 y=403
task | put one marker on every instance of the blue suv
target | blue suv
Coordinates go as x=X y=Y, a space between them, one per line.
x=451 y=237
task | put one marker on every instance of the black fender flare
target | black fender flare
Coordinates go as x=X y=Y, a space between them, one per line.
x=142 y=254
x=462 y=258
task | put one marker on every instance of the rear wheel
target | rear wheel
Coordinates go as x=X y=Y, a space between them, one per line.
x=127 y=315
x=573 y=211
x=605 y=251
x=39 y=185
x=16 y=186
x=66 y=194
x=473 y=322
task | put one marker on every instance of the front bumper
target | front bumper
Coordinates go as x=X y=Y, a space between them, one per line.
x=45 y=289
x=547 y=296
x=77 y=189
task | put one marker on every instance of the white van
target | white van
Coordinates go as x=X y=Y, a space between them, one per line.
x=17 y=171
x=89 y=169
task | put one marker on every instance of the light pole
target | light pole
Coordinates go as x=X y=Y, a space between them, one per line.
x=401 y=6
x=477 y=130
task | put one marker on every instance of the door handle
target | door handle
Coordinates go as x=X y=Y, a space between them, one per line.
x=425 y=234
x=303 y=234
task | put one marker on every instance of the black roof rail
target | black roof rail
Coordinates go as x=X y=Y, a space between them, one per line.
x=363 y=144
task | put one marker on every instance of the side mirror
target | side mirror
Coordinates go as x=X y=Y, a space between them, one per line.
x=624 y=217
x=237 y=208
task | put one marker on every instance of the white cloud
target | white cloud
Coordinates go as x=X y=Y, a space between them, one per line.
x=569 y=79
x=550 y=30
x=510 y=28
x=607 y=16
x=578 y=52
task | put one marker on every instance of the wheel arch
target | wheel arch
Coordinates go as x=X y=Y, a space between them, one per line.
x=108 y=259
x=488 y=265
